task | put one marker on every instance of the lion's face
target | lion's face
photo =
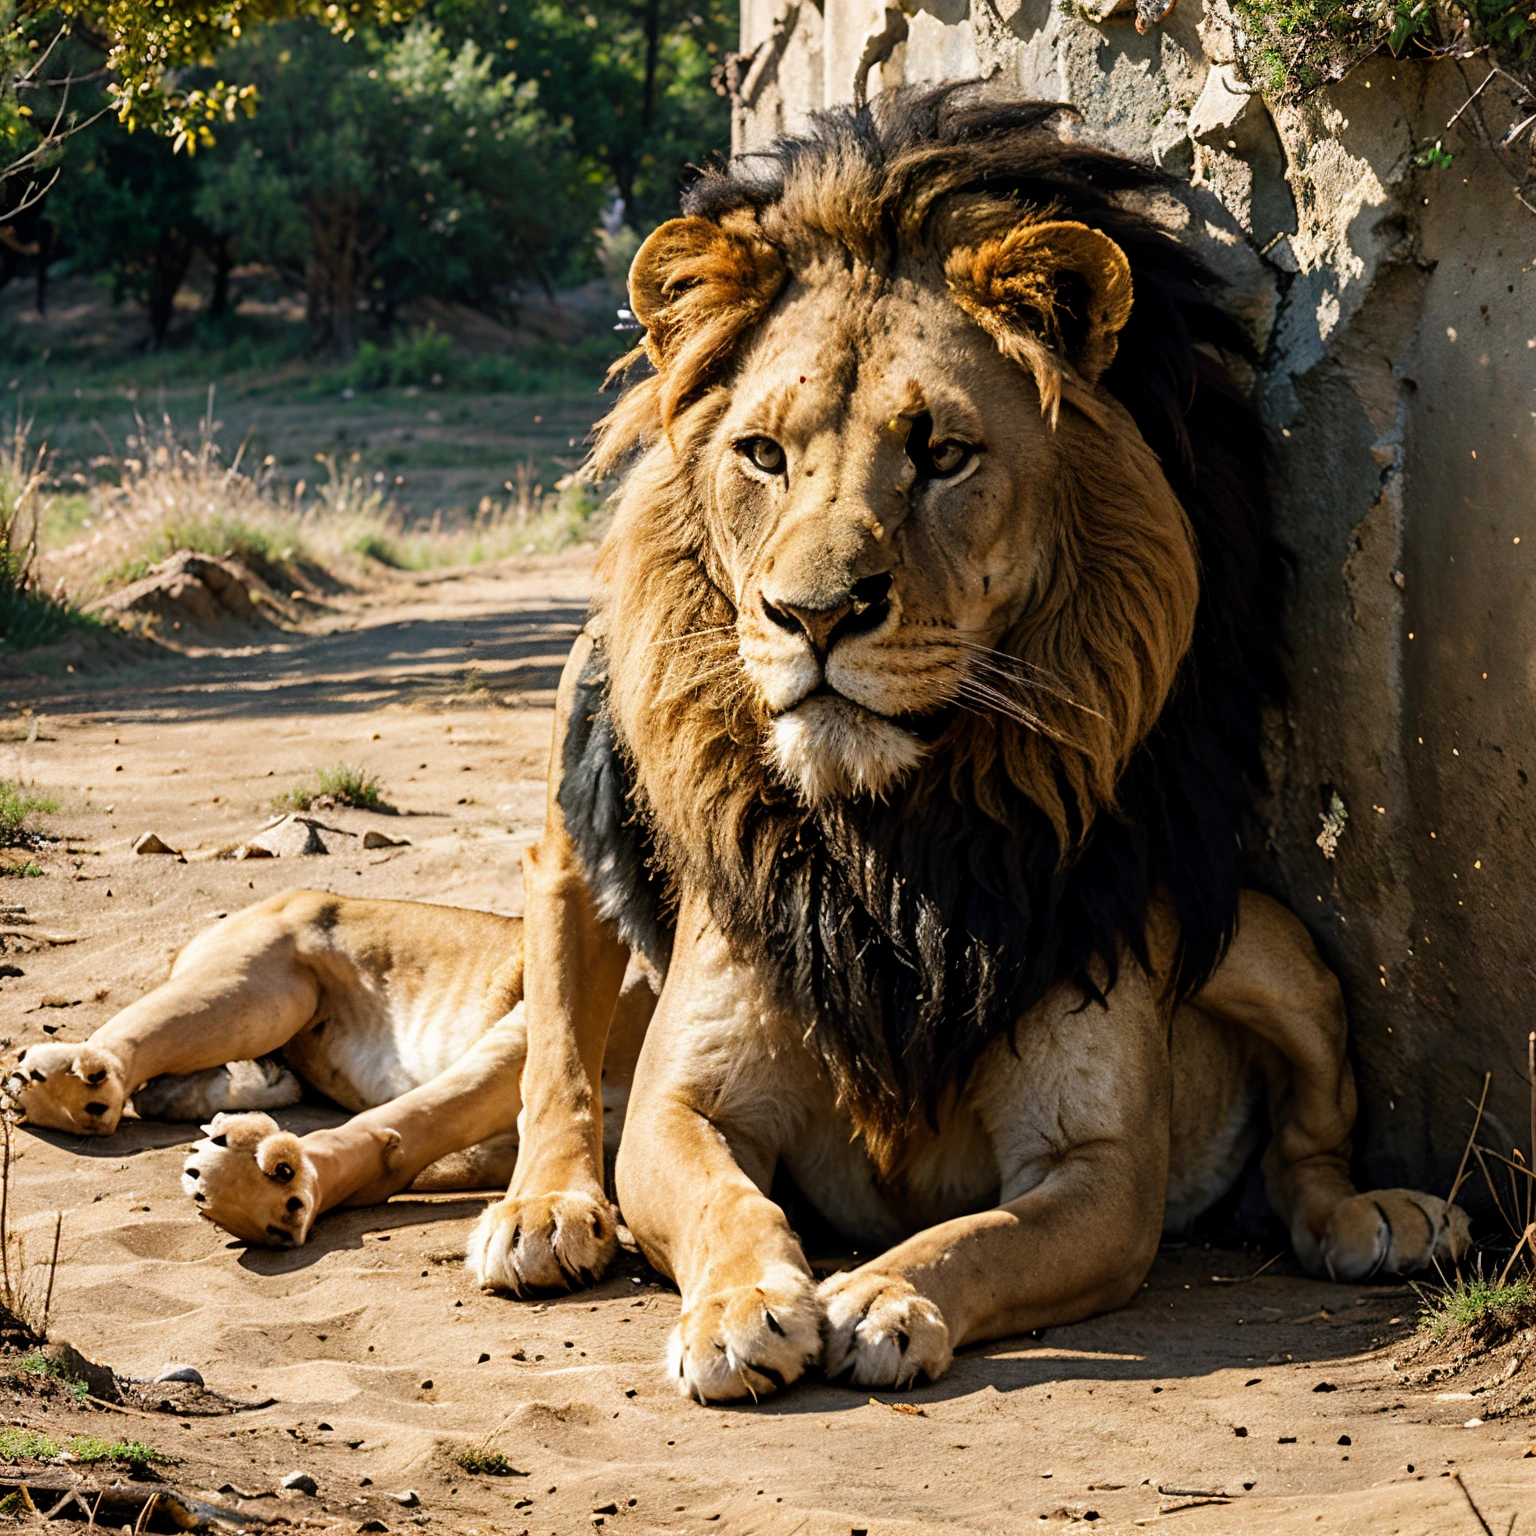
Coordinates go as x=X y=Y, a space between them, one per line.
x=882 y=487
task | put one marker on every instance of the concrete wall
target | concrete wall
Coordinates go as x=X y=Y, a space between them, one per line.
x=1396 y=311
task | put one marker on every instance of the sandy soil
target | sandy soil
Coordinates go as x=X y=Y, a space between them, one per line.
x=1268 y=1405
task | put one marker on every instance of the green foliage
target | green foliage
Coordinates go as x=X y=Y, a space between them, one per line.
x=38 y=1364
x=23 y=871
x=27 y=617
x=18 y=806
x=486 y=1463
x=341 y=785
x=1473 y=1301
x=1295 y=46
x=1433 y=157
x=30 y=1445
x=631 y=80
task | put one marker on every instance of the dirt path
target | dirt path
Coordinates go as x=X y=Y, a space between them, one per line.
x=1277 y=1394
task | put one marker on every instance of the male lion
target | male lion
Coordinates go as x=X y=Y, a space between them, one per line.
x=918 y=717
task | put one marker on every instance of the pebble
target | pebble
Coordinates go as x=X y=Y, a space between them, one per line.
x=174 y=1372
x=410 y=1498
x=301 y=1482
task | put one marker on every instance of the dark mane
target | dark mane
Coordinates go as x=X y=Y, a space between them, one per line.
x=912 y=933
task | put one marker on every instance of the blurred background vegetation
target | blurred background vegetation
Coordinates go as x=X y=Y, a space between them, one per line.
x=393 y=236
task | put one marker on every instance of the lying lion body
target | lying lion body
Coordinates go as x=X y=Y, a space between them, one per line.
x=409 y=1015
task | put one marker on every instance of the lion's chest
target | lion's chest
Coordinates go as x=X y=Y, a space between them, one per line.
x=948 y=1173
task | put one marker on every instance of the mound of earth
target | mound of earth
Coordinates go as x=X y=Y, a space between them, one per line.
x=1489 y=1364
x=188 y=588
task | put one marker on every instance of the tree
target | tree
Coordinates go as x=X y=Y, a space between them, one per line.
x=630 y=78
x=126 y=205
x=393 y=167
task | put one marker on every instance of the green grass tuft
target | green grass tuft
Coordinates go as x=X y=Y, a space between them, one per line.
x=1472 y=1301
x=29 y=1445
x=341 y=785
x=22 y=871
x=17 y=807
x=38 y=1364
x=484 y=1463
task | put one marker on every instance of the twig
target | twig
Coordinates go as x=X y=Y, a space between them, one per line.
x=1466 y=1152
x=53 y=1269
x=1530 y=1072
x=5 y=1210
x=1471 y=1502
x=1492 y=71
x=1525 y=1237
x=1492 y=1190
x=1243 y=1279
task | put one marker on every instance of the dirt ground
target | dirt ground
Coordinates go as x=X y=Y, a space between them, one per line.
x=1211 y=1405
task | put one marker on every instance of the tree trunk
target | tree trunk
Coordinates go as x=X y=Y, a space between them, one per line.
x=166 y=274
x=340 y=260
x=223 y=253
x=652 y=47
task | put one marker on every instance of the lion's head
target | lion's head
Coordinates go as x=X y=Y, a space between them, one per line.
x=905 y=569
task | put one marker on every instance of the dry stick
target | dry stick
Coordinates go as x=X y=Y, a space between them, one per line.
x=53 y=1269
x=1450 y=1199
x=1530 y=1072
x=1493 y=1190
x=5 y=1202
x=1529 y=1235
x=1466 y=1493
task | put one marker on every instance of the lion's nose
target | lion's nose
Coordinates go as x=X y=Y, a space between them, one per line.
x=861 y=607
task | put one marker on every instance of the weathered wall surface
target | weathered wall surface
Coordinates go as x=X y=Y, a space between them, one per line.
x=1395 y=308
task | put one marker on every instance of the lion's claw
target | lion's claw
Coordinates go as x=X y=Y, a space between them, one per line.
x=253 y=1179
x=747 y=1341
x=881 y=1332
x=558 y=1242
x=1391 y=1232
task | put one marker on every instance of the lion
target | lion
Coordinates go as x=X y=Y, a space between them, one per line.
x=411 y=1015
x=923 y=698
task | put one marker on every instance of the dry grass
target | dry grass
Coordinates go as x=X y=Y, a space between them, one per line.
x=168 y=495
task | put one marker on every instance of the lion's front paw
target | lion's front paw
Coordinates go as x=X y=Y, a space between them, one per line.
x=1394 y=1232
x=253 y=1179
x=542 y=1244
x=69 y=1088
x=749 y=1340
x=881 y=1331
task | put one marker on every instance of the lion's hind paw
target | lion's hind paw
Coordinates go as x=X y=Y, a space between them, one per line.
x=543 y=1244
x=881 y=1332
x=1392 y=1232
x=253 y=1179
x=747 y=1341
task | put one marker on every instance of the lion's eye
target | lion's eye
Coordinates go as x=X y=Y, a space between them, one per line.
x=949 y=458
x=764 y=453
x=941 y=460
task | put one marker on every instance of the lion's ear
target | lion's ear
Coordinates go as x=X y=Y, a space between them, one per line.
x=696 y=285
x=1048 y=290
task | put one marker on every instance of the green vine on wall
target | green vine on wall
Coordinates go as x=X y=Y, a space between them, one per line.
x=1293 y=47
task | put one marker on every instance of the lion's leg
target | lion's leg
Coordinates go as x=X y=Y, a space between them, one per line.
x=709 y=1110
x=1078 y=1121
x=556 y=1228
x=268 y=1186
x=1273 y=983
x=237 y=992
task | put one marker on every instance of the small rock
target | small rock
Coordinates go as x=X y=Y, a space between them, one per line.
x=373 y=1525
x=373 y=838
x=426 y=1386
x=1325 y=1386
x=252 y=851
x=410 y=1498
x=173 y=1372
x=483 y=1358
x=1345 y=1440
x=148 y=842
x=291 y=838
x=610 y=1508
x=301 y=1482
